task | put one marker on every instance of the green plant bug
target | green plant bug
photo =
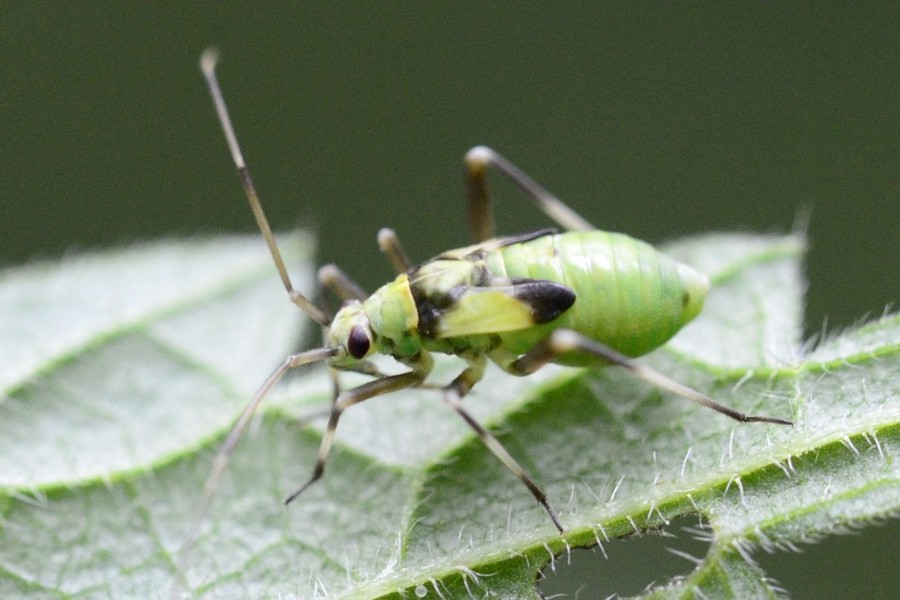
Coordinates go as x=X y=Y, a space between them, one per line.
x=579 y=297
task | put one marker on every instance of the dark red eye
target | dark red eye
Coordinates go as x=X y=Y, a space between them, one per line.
x=358 y=343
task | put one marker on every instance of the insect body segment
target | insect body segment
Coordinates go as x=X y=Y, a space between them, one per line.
x=579 y=297
x=451 y=304
x=511 y=295
x=457 y=294
x=629 y=295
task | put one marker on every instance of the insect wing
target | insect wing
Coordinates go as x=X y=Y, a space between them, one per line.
x=517 y=304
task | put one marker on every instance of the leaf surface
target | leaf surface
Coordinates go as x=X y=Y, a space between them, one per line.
x=122 y=373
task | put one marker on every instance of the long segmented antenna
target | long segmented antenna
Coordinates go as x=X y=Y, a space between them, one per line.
x=208 y=64
x=208 y=61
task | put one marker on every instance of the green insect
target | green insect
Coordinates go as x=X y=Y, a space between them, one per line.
x=583 y=297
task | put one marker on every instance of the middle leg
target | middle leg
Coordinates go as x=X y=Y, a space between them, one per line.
x=453 y=395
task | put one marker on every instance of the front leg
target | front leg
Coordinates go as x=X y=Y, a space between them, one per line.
x=421 y=366
x=335 y=280
x=390 y=246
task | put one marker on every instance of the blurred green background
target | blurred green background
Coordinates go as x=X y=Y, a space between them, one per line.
x=660 y=120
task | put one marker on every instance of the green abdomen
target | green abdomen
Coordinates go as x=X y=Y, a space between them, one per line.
x=629 y=296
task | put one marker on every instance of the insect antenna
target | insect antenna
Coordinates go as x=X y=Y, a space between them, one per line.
x=208 y=61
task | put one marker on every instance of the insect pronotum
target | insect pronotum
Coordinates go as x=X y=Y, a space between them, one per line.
x=576 y=298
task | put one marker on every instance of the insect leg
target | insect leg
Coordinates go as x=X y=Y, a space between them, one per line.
x=348 y=398
x=208 y=61
x=234 y=436
x=565 y=340
x=453 y=393
x=391 y=247
x=335 y=279
x=481 y=216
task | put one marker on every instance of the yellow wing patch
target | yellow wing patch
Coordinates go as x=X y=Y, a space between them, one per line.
x=485 y=310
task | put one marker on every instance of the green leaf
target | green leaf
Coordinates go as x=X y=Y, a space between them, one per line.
x=122 y=373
